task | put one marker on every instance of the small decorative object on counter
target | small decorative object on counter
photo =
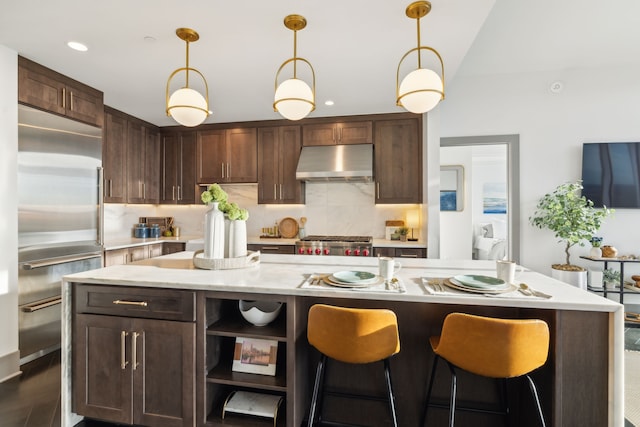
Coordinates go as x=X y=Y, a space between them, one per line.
x=609 y=251
x=214 y=243
x=596 y=251
x=611 y=277
x=301 y=231
x=154 y=231
x=141 y=231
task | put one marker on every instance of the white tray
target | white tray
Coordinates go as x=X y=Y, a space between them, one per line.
x=252 y=258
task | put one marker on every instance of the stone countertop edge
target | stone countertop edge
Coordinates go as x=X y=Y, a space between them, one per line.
x=131 y=242
x=284 y=274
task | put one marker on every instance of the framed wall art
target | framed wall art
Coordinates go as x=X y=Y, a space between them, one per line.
x=451 y=188
x=255 y=356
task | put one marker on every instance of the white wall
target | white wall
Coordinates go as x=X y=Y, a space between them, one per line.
x=9 y=356
x=595 y=105
x=456 y=228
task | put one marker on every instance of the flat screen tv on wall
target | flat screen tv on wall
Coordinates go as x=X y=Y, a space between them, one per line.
x=611 y=174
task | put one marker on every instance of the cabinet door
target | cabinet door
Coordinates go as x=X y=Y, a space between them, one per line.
x=135 y=162
x=151 y=165
x=101 y=368
x=116 y=257
x=39 y=89
x=170 y=168
x=398 y=161
x=84 y=103
x=163 y=388
x=319 y=134
x=212 y=156
x=268 y=162
x=155 y=250
x=355 y=133
x=172 y=247
x=338 y=133
x=114 y=158
x=138 y=253
x=242 y=155
x=187 y=171
x=291 y=189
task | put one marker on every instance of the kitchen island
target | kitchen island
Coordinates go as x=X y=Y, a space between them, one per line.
x=581 y=383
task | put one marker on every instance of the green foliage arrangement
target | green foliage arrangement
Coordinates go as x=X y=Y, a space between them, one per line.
x=611 y=276
x=215 y=193
x=570 y=216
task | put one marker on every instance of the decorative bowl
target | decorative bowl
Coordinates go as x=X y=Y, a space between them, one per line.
x=260 y=313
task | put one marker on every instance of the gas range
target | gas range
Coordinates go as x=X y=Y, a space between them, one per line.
x=335 y=245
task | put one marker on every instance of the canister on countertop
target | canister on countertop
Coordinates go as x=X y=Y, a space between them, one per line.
x=176 y=231
x=154 y=232
x=141 y=231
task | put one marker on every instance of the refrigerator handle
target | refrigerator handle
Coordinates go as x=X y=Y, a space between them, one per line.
x=100 y=230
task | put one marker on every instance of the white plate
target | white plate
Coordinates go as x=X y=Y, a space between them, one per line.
x=479 y=281
x=461 y=287
x=360 y=277
x=332 y=282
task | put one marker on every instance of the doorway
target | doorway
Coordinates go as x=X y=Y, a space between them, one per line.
x=476 y=225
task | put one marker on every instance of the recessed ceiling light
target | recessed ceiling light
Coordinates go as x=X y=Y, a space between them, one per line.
x=77 y=46
x=328 y=102
x=149 y=39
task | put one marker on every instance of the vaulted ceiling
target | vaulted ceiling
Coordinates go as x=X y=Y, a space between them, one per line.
x=353 y=45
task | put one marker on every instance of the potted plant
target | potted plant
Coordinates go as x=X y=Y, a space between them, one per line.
x=611 y=277
x=573 y=219
x=403 y=231
x=596 y=252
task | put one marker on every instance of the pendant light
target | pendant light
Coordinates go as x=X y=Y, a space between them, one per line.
x=294 y=99
x=186 y=105
x=422 y=89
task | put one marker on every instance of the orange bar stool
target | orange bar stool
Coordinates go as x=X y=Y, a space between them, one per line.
x=494 y=348
x=351 y=335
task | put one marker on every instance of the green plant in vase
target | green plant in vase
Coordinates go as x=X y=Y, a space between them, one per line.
x=611 y=277
x=403 y=231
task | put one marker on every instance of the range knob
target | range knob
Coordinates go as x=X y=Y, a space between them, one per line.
x=347 y=252
x=326 y=251
x=318 y=251
x=356 y=252
x=301 y=251
x=365 y=252
x=309 y=251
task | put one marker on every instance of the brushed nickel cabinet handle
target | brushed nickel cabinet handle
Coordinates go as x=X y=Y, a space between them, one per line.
x=136 y=303
x=110 y=188
x=173 y=192
x=377 y=190
x=64 y=98
x=270 y=248
x=222 y=166
x=144 y=190
x=281 y=197
x=179 y=193
x=71 y=100
x=134 y=351
x=228 y=174
x=123 y=353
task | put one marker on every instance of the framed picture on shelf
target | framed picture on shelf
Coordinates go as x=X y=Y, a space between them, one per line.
x=255 y=356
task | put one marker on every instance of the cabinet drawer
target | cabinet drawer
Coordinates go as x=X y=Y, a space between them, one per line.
x=167 y=304
x=411 y=253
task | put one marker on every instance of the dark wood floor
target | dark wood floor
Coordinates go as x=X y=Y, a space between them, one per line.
x=33 y=398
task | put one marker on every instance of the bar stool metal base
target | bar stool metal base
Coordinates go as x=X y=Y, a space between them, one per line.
x=315 y=410
x=452 y=400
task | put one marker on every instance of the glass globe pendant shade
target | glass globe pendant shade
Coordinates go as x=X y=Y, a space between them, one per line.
x=187 y=107
x=294 y=99
x=421 y=90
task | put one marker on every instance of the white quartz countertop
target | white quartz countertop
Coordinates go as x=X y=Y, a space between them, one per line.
x=285 y=274
x=111 y=244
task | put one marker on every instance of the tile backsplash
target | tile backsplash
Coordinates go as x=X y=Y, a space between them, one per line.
x=331 y=208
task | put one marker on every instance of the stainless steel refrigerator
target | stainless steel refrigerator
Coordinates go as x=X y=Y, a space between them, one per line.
x=59 y=219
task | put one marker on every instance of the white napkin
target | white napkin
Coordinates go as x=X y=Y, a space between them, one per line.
x=432 y=288
x=314 y=281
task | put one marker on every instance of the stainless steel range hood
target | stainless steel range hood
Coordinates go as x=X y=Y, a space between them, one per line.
x=336 y=163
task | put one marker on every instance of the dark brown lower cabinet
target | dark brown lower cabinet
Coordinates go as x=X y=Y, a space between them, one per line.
x=134 y=370
x=400 y=252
